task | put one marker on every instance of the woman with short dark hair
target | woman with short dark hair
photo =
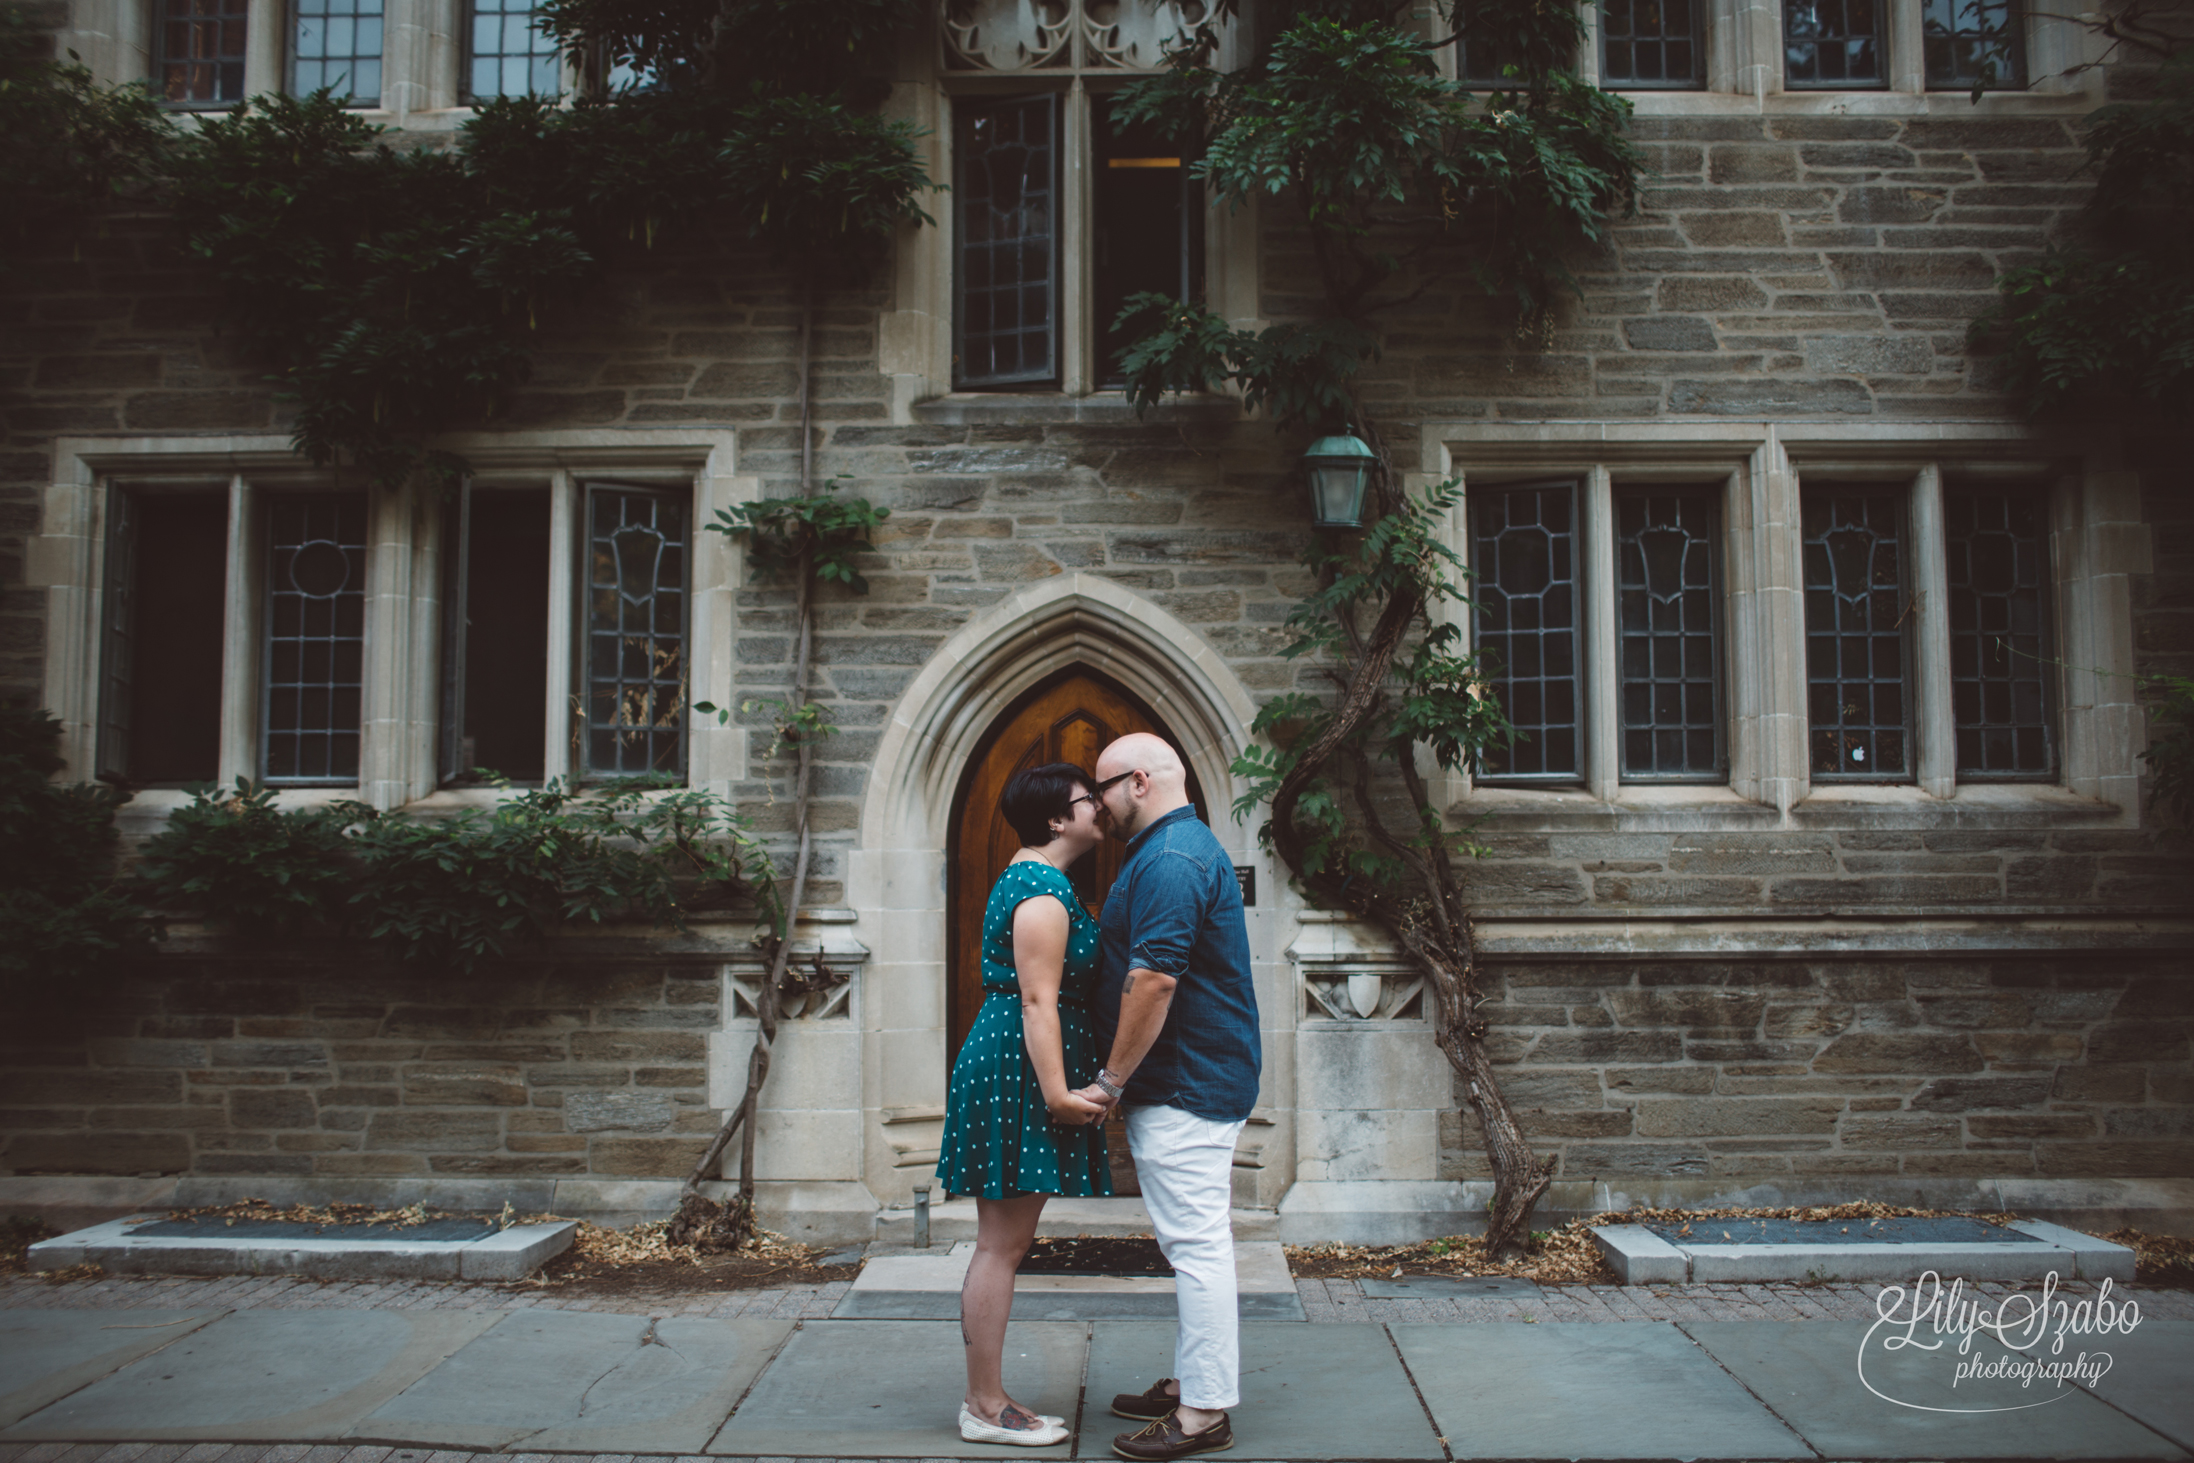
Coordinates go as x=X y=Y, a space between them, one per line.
x=1016 y=1132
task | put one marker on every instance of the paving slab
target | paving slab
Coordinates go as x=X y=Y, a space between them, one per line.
x=578 y=1382
x=1581 y=1389
x=252 y=1376
x=2151 y=1375
x=46 y=1355
x=892 y=1389
x=1909 y=1402
x=926 y=1287
x=1307 y=1392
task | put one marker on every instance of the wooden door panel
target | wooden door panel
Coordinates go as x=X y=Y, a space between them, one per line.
x=1070 y=720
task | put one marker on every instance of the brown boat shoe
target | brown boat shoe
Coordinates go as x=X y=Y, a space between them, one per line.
x=1147 y=1406
x=1163 y=1440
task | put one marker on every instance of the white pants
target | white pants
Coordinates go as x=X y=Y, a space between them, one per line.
x=1186 y=1166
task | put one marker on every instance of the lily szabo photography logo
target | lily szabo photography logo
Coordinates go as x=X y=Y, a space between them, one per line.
x=2038 y=1348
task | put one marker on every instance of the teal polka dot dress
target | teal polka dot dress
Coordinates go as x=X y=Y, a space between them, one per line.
x=1000 y=1141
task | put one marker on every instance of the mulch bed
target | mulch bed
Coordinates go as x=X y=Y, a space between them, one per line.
x=1097 y=1255
x=637 y=1262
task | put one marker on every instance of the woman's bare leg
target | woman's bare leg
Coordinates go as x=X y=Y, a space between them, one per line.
x=1004 y=1229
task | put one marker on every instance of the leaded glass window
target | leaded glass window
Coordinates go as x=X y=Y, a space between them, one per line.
x=1652 y=43
x=313 y=691
x=1998 y=546
x=506 y=54
x=1969 y=41
x=1857 y=607
x=1005 y=203
x=636 y=671
x=1669 y=633
x=202 y=48
x=1834 y=43
x=337 y=43
x=1523 y=557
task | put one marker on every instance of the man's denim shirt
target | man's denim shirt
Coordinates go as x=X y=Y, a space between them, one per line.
x=1176 y=908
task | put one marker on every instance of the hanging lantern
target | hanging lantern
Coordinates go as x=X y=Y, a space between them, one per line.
x=1339 y=468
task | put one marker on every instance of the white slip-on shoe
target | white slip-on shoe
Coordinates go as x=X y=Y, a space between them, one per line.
x=974 y=1430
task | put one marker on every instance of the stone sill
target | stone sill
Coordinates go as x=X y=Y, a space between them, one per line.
x=1640 y=808
x=712 y=940
x=1861 y=104
x=1103 y=408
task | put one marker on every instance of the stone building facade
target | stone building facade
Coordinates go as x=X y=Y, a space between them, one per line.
x=1859 y=925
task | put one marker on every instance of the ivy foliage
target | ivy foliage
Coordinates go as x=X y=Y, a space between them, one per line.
x=1400 y=178
x=452 y=891
x=69 y=149
x=2170 y=754
x=1440 y=698
x=395 y=291
x=2107 y=325
x=781 y=533
x=62 y=913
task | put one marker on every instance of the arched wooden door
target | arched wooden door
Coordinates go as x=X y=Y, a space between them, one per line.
x=1067 y=719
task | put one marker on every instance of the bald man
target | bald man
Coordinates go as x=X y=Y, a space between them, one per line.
x=1177 y=1012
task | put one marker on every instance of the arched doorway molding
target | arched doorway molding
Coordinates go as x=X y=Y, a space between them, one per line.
x=895 y=878
x=1062 y=621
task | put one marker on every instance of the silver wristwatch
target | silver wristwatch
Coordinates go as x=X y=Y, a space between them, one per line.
x=1103 y=1083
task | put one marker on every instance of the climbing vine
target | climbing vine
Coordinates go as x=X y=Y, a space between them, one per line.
x=394 y=293
x=449 y=892
x=1400 y=181
x=2103 y=322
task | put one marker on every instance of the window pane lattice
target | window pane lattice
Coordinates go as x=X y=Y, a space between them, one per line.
x=1968 y=41
x=636 y=633
x=1523 y=551
x=315 y=646
x=507 y=55
x=1999 y=644
x=1004 y=199
x=202 y=44
x=1650 y=43
x=337 y=43
x=1833 y=43
x=1855 y=608
x=1668 y=633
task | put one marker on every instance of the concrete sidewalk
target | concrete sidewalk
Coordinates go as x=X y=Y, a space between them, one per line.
x=107 y=1383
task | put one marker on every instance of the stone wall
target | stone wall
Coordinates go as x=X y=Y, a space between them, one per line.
x=1859 y=1072
x=330 y=1069
x=1863 y=1071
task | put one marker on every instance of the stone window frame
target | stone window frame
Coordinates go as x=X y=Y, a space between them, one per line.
x=2097 y=545
x=915 y=334
x=398 y=762
x=422 y=56
x=1744 y=67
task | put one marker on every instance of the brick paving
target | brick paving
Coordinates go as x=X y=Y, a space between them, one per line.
x=1323 y=1301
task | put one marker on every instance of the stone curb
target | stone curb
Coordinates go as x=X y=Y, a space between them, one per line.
x=1640 y=1257
x=509 y=1254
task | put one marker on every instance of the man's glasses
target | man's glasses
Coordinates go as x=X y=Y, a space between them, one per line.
x=1108 y=784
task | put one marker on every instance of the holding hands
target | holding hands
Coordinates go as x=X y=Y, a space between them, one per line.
x=1075 y=1109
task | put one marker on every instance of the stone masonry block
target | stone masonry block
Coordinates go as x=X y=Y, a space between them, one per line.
x=1864 y=1052
x=1668 y=333
x=1716 y=1117
x=1769 y=398
x=1891 y=204
x=1869 y=355
x=1752 y=163
x=272 y=1108
x=1719 y=1010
